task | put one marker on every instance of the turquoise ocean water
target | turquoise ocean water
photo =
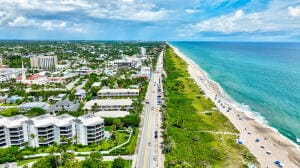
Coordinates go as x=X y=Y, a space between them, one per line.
x=263 y=78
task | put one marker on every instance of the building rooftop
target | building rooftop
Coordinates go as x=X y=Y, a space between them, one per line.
x=90 y=119
x=43 y=120
x=42 y=105
x=63 y=120
x=96 y=84
x=3 y=121
x=117 y=90
x=108 y=102
x=15 y=121
x=112 y=114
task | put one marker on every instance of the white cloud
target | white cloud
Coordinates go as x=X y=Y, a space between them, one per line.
x=105 y=9
x=22 y=21
x=192 y=11
x=294 y=11
x=276 y=18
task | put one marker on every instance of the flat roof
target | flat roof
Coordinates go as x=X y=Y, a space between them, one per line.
x=108 y=102
x=90 y=119
x=3 y=121
x=112 y=114
x=117 y=90
x=63 y=120
x=96 y=84
x=15 y=121
x=43 y=120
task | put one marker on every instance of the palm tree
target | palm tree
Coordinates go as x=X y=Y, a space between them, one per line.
x=42 y=140
x=63 y=139
x=95 y=107
x=75 y=138
x=32 y=136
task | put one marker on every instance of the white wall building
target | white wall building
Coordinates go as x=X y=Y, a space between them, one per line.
x=65 y=126
x=43 y=62
x=44 y=130
x=13 y=131
x=90 y=129
x=118 y=92
x=145 y=71
x=109 y=104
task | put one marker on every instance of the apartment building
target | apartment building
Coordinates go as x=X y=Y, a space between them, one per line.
x=90 y=129
x=44 y=130
x=3 y=140
x=118 y=92
x=65 y=126
x=43 y=62
x=16 y=130
x=109 y=105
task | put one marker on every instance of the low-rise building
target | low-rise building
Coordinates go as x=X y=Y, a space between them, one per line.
x=28 y=106
x=109 y=105
x=14 y=99
x=66 y=105
x=80 y=94
x=118 y=92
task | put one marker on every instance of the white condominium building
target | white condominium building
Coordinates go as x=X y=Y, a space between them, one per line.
x=3 y=138
x=65 y=126
x=43 y=62
x=118 y=92
x=44 y=130
x=109 y=105
x=90 y=129
x=13 y=131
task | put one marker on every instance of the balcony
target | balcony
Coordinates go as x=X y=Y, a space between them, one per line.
x=2 y=143
x=15 y=135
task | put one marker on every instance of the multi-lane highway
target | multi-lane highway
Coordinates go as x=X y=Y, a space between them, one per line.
x=149 y=147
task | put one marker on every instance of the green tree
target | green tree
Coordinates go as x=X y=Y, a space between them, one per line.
x=32 y=136
x=47 y=162
x=118 y=123
x=118 y=163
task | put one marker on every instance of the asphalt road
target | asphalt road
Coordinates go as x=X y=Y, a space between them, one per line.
x=147 y=156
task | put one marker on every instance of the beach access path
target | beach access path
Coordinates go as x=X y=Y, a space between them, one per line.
x=264 y=143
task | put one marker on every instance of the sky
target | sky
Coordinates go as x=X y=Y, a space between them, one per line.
x=170 y=20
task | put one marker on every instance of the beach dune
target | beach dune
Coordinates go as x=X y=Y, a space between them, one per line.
x=265 y=143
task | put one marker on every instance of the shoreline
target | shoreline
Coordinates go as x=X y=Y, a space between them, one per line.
x=251 y=129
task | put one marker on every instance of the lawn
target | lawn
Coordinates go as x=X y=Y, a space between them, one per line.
x=184 y=121
x=10 y=112
x=120 y=137
x=127 y=163
x=25 y=162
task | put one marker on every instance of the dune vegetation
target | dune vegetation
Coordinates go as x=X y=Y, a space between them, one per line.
x=194 y=128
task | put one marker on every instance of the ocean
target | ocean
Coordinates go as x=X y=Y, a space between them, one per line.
x=262 y=78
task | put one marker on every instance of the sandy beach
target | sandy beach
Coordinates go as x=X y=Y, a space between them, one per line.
x=266 y=144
